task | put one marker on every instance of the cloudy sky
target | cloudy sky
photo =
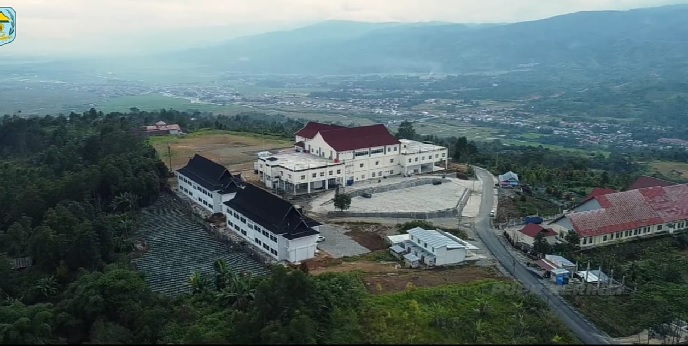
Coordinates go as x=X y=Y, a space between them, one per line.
x=78 y=27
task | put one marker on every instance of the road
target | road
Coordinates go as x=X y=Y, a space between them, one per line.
x=579 y=326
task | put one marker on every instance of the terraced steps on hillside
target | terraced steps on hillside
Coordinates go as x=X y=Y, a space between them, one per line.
x=179 y=246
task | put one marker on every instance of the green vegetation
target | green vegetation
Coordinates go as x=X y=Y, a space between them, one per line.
x=657 y=269
x=70 y=199
x=342 y=201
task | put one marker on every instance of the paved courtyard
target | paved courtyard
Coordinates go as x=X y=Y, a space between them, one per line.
x=337 y=244
x=421 y=198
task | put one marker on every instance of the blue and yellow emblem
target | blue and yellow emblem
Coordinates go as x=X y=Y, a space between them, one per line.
x=8 y=25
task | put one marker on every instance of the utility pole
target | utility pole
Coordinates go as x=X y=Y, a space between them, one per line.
x=169 y=155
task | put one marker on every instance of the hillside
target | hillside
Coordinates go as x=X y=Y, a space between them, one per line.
x=621 y=43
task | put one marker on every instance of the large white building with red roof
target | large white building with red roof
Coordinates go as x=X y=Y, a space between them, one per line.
x=607 y=218
x=326 y=155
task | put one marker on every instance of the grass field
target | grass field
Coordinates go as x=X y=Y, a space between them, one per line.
x=235 y=150
x=671 y=170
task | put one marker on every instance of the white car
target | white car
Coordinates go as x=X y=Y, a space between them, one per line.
x=320 y=238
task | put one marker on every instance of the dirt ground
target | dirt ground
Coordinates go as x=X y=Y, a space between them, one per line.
x=385 y=277
x=235 y=151
x=507 y=209
x=370 y=235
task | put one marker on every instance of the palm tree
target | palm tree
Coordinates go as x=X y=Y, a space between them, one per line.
x=198 y=282
x=47 y=286
x=128 y=199
x=483 y=308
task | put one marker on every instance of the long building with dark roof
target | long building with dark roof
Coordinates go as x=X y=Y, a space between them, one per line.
x=272 y=224
x=325 y=156
x=207 y=183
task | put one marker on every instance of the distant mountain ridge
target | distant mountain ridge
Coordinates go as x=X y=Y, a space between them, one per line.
x=646 y=41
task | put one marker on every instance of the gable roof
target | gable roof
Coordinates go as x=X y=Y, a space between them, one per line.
x=362 y=137
x=645 y=181
x=532 y=230
x=312 y=128
x=508 y=176
x=272 y=212
x=435 y=238
x=596 y=192
x=633 y=209
x=211 y=175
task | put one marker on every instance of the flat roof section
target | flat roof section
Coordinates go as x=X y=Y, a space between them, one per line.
x=296 y=161
x=414 y=147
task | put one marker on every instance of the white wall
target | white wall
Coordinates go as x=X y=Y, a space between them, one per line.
x=276 y=246
x=195 y=192
x=449 y=256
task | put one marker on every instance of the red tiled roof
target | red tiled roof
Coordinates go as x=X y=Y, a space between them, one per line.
x=644 y=182
x=598 y=191
x=352 y=138
x=544 y=265
x=532 y=230
x=312 y=128
x=633 y=209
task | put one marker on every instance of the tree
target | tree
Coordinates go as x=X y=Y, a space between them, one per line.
x=342 y=201
x=406 y=131
x=540 y=245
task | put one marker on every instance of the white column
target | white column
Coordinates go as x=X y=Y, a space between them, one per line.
x=327 y=183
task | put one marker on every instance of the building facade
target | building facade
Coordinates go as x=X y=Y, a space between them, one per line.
x=622 y=216
x=207 y=183
x=433 y=248
x=272 y=224
x=328 y=155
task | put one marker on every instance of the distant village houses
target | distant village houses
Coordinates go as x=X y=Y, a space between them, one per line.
x=161 y=129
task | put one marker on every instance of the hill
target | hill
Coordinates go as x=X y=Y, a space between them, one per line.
x=620 y=43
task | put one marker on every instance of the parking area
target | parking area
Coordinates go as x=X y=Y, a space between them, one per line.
x=337 y=244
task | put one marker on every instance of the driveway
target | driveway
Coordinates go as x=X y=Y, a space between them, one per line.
x=337 y=244
x=585 y=331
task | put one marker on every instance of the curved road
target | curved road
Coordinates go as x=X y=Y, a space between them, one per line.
x=579 y=326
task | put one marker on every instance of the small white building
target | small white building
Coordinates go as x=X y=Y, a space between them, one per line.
x=273 y=224
x=433 y=248
x=207 y=183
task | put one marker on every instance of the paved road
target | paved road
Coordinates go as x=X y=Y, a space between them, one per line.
x=579 y=326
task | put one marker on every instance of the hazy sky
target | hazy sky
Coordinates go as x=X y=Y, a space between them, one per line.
x=75 y=27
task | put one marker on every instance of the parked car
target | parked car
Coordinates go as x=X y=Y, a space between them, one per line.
x=367 y=195
x=320 y=238
x=492 y=213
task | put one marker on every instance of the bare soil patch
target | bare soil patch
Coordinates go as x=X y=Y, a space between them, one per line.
x=398 y=281
x=369 y=235
x=235 y=151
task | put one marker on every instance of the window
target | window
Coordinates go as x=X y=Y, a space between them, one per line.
x=585 y=240
x=377 y=163
x=289 y=176
x=361 y=165
x=243 y=232
x=373 y=174
x=635 y=231
x=443 y=154
x=330 y=173
x=315 y=175
x=437 y=155
x=395 y=148
x=416 y=159
x=422 y=158
x=391 y=160
x=243 y=219
x=379 y=173
x=339 y=171
x=409 y=160
x=377 y=151
x=303 y=177
x=604 y=238
x=257 y=241
x=363 y=176
x=391 y=172
x=433 y=250
x=230 y=224
x=659 y=227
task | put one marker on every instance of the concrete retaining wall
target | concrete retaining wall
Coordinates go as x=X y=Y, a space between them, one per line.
x=395 y=186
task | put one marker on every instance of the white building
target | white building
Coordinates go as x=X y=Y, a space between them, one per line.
x=272 y=224
x=621 y=216
x=327 y=155
x=207 y=183
x=433 y=248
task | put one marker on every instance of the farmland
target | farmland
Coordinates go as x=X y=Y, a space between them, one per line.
x=236 y=151
x=677 y=171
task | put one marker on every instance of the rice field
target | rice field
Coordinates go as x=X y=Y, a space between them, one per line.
x=178 y=246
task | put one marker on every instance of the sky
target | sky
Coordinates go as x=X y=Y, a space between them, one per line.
x=50 y=28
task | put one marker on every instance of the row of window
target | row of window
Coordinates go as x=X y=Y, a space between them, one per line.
x=429 y=157
x=623 y=234
x=252 y=226
x=265 y=246
x=202 y=190
x=372 y=152
x=377 y=163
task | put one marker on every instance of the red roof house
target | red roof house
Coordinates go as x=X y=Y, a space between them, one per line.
x=353 y=138
x=643 y=182
x=528 y=233
x=161 y=128
x=312 y=128
x=598 y=191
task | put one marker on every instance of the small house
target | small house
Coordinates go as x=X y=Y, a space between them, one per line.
x=431 y=248
x=508 y=179
x=527 y=234
x=162 y=129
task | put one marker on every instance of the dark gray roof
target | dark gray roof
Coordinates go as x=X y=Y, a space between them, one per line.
x=211 y=175
x=272 y=212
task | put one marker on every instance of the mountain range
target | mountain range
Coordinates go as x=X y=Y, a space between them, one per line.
x=650 y=41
